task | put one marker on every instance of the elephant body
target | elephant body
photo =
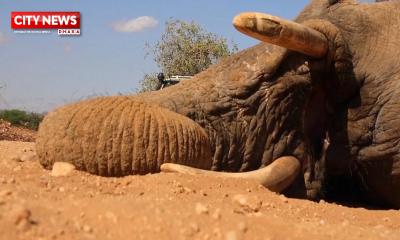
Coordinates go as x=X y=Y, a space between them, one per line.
x=337 y=114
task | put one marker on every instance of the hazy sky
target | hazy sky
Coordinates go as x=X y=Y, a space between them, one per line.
x=41 y=71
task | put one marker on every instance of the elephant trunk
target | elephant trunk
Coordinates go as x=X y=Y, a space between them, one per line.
x=118 y=136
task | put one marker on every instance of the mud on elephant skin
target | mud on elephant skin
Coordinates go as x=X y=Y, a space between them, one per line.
x=319 y=96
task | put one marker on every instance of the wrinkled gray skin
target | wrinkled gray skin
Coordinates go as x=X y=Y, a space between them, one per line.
x=338 y=115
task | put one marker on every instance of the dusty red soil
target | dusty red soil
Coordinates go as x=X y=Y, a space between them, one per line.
x=16 y=133
x=35 y=205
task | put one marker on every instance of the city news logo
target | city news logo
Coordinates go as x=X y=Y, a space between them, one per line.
x=66 y=23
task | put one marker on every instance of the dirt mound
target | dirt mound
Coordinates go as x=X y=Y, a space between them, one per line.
x=36 y=205
x=15 y=133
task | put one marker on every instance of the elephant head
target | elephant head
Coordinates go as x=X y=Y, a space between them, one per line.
x=317 y=96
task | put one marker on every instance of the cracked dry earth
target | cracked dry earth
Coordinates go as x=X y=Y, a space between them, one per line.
x=36 y=205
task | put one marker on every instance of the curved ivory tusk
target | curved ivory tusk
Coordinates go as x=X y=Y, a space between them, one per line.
x=276 y=177
x=284 y=33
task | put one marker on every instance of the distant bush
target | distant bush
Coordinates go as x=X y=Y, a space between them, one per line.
x=18 y=117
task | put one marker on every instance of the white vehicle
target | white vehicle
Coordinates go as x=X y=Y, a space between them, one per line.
x=166 y=82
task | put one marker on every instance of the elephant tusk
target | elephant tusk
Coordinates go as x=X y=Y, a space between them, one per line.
x=284 y=33
x=276 y=177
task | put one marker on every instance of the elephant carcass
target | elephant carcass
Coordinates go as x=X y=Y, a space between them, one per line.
x=326 y=98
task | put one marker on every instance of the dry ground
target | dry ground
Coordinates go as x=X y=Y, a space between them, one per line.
x=35 y=205
x=16 y=133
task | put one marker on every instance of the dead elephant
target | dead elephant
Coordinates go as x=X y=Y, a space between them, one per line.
x=325 y=103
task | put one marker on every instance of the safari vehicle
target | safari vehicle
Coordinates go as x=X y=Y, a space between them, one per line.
x=166 y=82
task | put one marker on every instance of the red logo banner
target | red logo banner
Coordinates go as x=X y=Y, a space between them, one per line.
x=45 y=20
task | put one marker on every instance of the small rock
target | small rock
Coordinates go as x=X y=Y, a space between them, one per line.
x=270 y=205
x=179 y=188
x=177 y=184
x=231 y=235
x=62 y=169
x=159 y=211
x=345 y=223
x=195 y=227
x=188 y=190
x=379 y=226
x=27 y=150
x=240 y=199
x=49 y=186
x=11 y=180
x=111 y=216
x=24 y=225
x=217 y=214
x=78 y=226
x=21 y=217
x=257 y=214
x=217 y=233
x=87 y=228
x=201 y=209
x=16 y=159
x=17 y=168
x=98 y=182
x=242 y=226
x=128 y=182
x=283 y=198
x=244 y=206
x=5 y=193
x=28 y=156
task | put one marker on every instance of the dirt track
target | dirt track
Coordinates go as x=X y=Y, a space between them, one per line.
x=35 y=205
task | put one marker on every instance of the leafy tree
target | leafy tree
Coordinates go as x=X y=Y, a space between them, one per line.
x=185 y=49
x=18 y=117
x=150 y=82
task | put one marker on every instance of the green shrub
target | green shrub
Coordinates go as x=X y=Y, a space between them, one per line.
x=18 y=117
